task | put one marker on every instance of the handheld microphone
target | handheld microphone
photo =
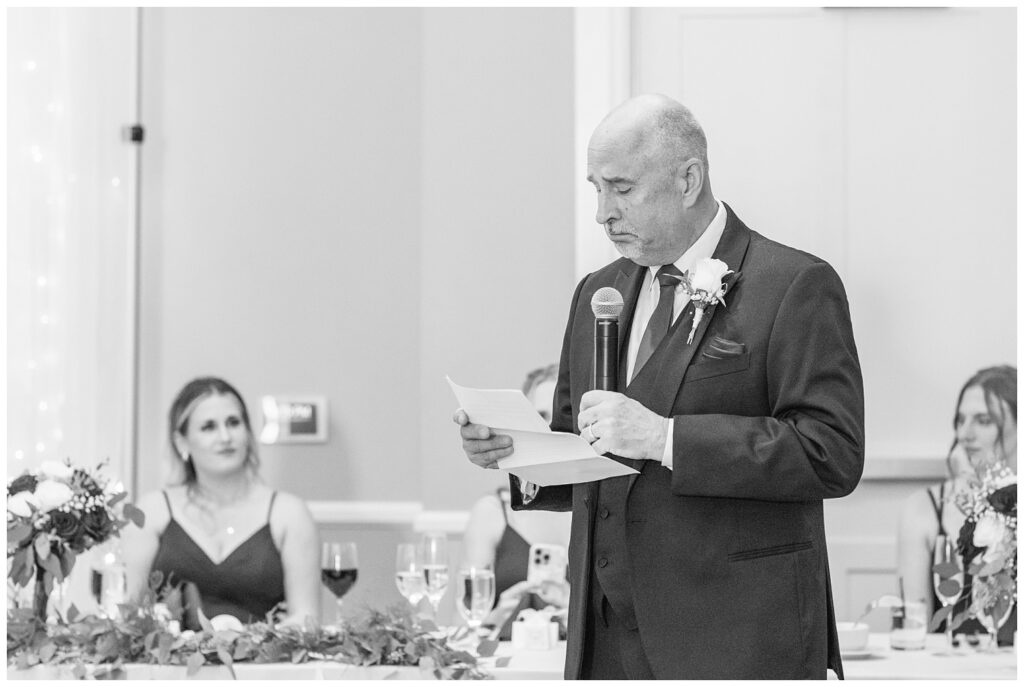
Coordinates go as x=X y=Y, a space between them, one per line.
x=607 y=305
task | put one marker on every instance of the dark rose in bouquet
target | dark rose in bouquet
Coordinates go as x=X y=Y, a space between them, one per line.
x=1004 y=500
x=97 y=523
x=965 y=543
x=69 y=528
x=21 y=483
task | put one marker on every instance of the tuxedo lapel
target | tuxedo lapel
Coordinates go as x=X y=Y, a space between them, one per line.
x=628 y=282
x=675 y=355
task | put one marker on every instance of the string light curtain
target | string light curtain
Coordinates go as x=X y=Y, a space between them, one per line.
x=71 y=80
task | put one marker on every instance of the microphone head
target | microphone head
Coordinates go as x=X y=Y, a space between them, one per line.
x=606 y=303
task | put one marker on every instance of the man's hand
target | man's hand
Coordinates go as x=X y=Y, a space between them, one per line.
x=614 y=423
x=481 y=445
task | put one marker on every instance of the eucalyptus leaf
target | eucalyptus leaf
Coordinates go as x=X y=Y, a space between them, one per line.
x=949 y=588
x=194 y=663
x=18 y=532
x=939 y=616
x=487 y=647
x=946 y=569
x=42 y=546
x=135 y=514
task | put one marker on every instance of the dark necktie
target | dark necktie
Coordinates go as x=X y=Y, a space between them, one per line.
x=669 y=277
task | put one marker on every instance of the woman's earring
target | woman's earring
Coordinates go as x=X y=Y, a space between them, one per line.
x=185 y=456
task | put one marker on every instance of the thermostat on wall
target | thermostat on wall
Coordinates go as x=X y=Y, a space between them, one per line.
x=294 y=420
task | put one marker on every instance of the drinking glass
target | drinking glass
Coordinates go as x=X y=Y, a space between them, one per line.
x=434 y=555
x=476 y=595
x=948 y=580
x=909 y=626
x=409 y=574
x=339 y=569
x=991 y=621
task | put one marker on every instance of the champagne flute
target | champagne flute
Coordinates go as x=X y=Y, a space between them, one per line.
x=409 y=574
x=948 y=580
x=339 y=569
x=476 y=595
x=434 y=555
x=989 y=618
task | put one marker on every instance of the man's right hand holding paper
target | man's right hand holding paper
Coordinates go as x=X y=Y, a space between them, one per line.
x=482 y=446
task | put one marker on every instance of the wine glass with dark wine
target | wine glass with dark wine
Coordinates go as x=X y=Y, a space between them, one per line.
x=948 y=580
x=339 y=569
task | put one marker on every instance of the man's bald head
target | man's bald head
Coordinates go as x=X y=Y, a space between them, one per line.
x=648 y=163
x=656 y=127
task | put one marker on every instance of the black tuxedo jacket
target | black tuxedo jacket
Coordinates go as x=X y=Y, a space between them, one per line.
x=729 y=570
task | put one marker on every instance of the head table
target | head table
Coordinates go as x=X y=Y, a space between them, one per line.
x=878 y=661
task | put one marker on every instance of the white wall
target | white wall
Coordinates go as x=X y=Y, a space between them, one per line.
x=355 y=202
x=882 y=140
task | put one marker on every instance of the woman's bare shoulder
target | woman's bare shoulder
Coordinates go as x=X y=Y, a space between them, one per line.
x=290 y=509
x=154 y=505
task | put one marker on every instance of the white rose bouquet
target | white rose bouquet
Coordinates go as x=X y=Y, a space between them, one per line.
x=54 y=514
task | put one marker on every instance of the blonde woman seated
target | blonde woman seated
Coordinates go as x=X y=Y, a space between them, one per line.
x=985 y=427
x=230 y=543
x=499 y=537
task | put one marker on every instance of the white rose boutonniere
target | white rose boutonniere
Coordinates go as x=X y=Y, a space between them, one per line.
x=706 y=288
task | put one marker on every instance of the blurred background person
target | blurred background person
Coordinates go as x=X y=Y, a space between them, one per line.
x=501 y=538
x=985 y=435
x=229 y=542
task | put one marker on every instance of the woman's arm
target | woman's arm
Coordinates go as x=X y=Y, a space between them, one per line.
x=483 y=532
x=914 y=546
x=139 y=545
x=300 y=557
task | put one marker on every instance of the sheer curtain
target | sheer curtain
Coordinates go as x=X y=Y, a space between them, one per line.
x=71 y=174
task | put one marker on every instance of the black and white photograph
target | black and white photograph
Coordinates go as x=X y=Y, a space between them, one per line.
x=663 y=342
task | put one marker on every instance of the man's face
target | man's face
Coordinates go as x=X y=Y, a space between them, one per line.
x=639 y=198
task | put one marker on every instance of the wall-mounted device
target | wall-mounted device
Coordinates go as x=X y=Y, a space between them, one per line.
x=294 y=420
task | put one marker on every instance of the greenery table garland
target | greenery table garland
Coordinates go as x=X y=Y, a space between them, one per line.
x=142 y=633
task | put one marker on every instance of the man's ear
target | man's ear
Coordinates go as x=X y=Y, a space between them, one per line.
x=691 y=180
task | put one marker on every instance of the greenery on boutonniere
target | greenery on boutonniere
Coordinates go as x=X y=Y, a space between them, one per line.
x=148 y=632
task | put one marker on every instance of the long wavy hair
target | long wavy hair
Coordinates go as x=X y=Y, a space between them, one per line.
x=183 y=470
x=999 y=385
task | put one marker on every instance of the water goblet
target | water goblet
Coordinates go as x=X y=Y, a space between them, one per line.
x=993 y=616
x=434 y=556
x=475 y=596
x=409 y=577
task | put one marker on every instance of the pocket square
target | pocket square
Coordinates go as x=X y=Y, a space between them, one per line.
x=720 y=348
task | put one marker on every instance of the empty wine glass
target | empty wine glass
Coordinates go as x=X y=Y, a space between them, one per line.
x=475 y=596
x=409 y=574
x=434 y=556
x=339 y=569
x=948 y=580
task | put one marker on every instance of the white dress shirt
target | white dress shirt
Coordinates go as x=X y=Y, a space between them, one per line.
x=650 y=294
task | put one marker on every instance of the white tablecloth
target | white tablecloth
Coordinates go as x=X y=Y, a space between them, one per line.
x=880 y=662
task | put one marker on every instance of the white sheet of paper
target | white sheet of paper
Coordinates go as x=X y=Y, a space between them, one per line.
x=539 y=455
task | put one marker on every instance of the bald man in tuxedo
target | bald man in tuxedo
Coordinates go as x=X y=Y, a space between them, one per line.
x=711 y=561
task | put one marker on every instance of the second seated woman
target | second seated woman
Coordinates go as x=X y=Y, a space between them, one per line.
x=500 y=537
x=985 y=427
x=232 y=544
